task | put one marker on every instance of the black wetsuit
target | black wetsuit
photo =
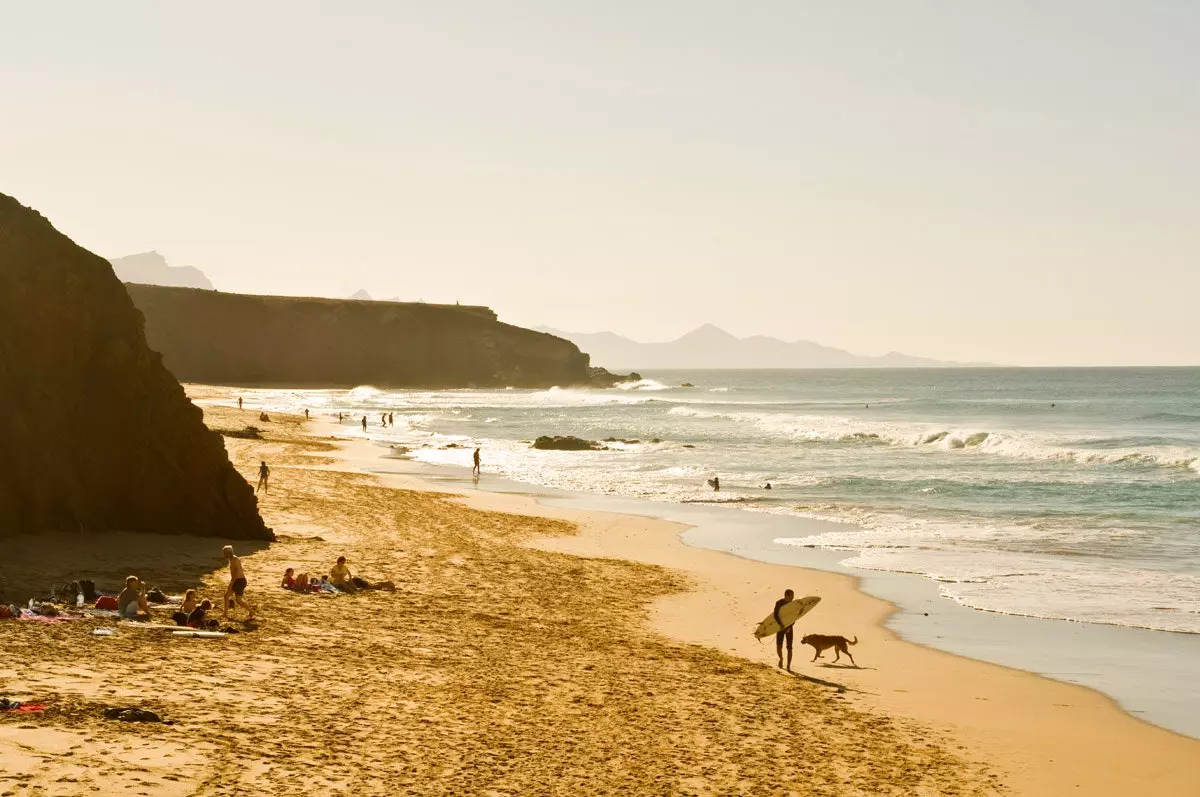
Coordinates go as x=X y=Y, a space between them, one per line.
x=786 y=633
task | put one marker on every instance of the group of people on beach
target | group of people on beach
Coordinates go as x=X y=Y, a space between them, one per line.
x=340 y=579
x=134 y=601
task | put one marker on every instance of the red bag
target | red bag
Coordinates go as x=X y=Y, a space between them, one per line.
x=5 y=612
x=107 y=602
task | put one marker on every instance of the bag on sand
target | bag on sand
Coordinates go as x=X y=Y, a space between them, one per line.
x=108 y=603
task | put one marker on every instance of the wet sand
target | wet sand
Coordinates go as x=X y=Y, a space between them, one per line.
x=527 y=651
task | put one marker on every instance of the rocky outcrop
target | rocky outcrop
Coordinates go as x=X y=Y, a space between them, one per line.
x=567 y=443
x=96 y=434
x=151 y=268
x=234 y=339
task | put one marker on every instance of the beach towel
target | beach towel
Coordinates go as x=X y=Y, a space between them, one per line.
x=108 y=603
x=31 y=617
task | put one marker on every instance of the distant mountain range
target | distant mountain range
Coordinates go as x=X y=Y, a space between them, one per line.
x=150 y=268
x=710 y=347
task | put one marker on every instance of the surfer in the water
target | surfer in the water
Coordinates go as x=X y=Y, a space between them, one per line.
x=784 y=633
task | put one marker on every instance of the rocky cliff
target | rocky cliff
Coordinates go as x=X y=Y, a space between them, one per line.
x=151 y=268
x=95 y=433
x=234 y=339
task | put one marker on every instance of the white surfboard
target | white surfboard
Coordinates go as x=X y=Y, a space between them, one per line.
x=789 y=613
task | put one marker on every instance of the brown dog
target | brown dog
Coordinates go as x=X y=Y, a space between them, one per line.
x=821 y=643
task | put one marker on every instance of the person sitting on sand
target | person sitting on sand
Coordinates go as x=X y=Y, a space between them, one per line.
x=784 y=633
x=297 y=583
x=132 y=600
x=237 y=586
x=341 y=577
x=186 y=608
x=198 y=617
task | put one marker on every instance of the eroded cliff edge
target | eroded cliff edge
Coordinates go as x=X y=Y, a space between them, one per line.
x=236 y=339
x=95 y=433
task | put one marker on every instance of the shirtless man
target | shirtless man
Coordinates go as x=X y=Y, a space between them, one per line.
x=237 y=585
x=784 y=633
x=475 y=470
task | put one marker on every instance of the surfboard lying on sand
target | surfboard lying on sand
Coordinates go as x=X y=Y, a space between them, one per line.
x=789 y=613
x=150 y=626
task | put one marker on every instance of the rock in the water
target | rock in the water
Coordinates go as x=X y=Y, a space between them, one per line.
x=567 y=443
x=97 y=434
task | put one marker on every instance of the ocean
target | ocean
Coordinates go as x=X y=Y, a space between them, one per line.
x=1066 y=494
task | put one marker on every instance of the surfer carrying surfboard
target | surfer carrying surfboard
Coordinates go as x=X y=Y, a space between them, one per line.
x=786 y=632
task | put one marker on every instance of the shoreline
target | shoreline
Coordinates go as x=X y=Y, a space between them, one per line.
x=1046 y=735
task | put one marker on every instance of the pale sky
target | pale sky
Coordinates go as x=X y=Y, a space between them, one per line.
x=1016 y=182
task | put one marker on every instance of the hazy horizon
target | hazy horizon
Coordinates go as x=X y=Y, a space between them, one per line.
x=1007 y=184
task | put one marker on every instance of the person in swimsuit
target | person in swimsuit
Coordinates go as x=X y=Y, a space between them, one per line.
x=475 y=470
x=237 y=586
x=364 y=423
x=263 y=474
x=784 y=633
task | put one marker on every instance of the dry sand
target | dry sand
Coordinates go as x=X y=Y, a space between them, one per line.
x=503 y=666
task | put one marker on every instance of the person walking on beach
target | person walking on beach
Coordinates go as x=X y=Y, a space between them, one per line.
x=235 y=592
x=475 y=470
x=239 y=402
x=364 y=423
x=263 y=474
x=306 y=413
x=784 y=633
x=391 y=419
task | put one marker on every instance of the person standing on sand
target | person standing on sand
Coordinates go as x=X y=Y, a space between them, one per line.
x=306 y=413
x=364 y=423
x=784 y=633
x=237 y=586
x=263 y=474
x=239 y=402
x=391 y=419
x=475 y=470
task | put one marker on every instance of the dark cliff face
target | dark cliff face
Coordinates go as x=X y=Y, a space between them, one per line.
x=95 y=433
x=226 y=338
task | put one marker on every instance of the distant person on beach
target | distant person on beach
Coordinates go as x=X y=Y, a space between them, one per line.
x=198 y=619
x=768 y=486
x=264 y=473
x=475 y=470
x=239 y=402
x=715 y=483
x=345 y=581
x=186 y=608
x=235 y=592
x=306 y=413
x=391 y=419
x=339 y=417
x=784 y=633
x=341 y=577
x=364 y=423
x=132 y=602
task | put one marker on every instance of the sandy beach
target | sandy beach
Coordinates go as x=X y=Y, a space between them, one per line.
x=527 y=650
